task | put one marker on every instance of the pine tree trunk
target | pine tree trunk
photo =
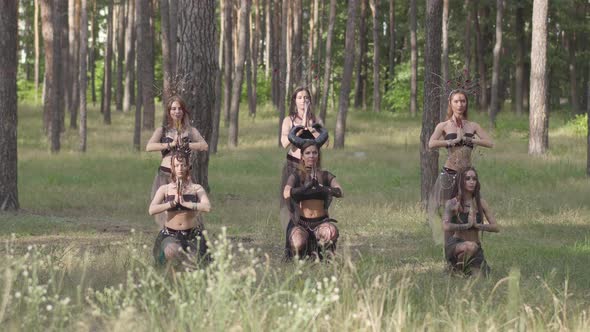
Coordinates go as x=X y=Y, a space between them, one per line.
x=130 y=36
x=588 y=123
x=37 y=50
x=108 y=72
x=166 y=47
x=445 y=57
x=391 y=48
x=376 y=61
x=120 y=56
x=297 y=55
x=519 y=72
x=138 y=93
x=483 y=96
x=218 y=81
x=430 y=115
x=53 y=73
x=92 y=55
x=254 y=39
x=268 y=38
x=65 y=97
x=362 y=50
x=538 y=115
x=238 y=73
x=413 y=61
x=467 y=45
x=198 y=55
x=75 y=56
x=275 y=55
x=346 y=75
x=328 y=64
x=173 y=11
x=228 y=55
x=495 y=105
x=8 y=105
x=282 y=64
x=145 y=61
x=83 y=78
x=571 y=48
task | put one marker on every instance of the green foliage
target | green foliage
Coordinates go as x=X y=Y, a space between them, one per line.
x=578 y=125
x=397 y=97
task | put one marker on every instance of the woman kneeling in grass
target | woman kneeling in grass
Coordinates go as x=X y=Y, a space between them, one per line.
x=310 y=190
x=181 y=238
x=464 y=216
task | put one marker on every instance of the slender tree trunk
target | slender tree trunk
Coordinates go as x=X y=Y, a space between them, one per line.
x=145 y=61
x=83 y=77
x=392 y=36
x=346 y=75
x=65 y=96
x=228 y=59
x=467 y=45
x=376 y=62
x=430 y=115
x=276 y=36
x=483 y=96
x=445 y=57
x=254 y=39
x=239 y=72
x=53 y=72
x=282 y=64
x=362 y=50
x=218 y=81
x=8 y=106
x=92 y=56
x=495 y=105
x=328 y=64
x=289 y=73
x=129 y=95
x=588 y=124
x=166 y=47
x=37 y=50
x=313 y=75
x=173 y=12
x=120 y=56
x=268 y=37
x=297 y=43
x=413 y=61
x=519 y=72
x=198 y=55
x=138 y=92
x=571 y=47
x=538 y=115
x=75 y=61
x=108 y=72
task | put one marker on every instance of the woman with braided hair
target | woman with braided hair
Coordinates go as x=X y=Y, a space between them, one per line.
x=180 y=202
x=460 y=137
x=464 y=219
x=177 y=134
x=309 y=190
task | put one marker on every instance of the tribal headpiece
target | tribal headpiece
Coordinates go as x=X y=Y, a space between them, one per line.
x=307 y=138
x=461 y=82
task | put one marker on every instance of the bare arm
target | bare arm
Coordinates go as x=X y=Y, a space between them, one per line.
x=156 y=206
x=285 y=128
x=154 y=142
x=204 y=205
x=437 y=140
x=483 y=139
x=451 y=208
x=491 y=226
x=197 y=141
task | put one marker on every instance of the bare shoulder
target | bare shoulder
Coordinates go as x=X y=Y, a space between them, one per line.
x=452 y=204
x=484 y=204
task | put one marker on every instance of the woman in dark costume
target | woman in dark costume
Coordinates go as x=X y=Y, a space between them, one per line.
x=300 y=114
x=177 y=134
x=464 y=219
x=309 y=190
x=460 y=137
x=180 y=202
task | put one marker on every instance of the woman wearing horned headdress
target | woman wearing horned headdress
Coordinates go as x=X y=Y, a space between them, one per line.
x=300 y=114
x=309 y=190
x=177 y=134
x=459 y=136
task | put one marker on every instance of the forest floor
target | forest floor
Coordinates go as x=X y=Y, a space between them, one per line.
x=94 y=204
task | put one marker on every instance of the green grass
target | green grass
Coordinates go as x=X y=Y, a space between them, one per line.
x=79 y=210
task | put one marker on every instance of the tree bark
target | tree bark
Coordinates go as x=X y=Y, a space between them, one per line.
x=268 y=37
x=64 y=99
x=392 y=36
x=83 y=77
x=166 y=47
x=413 y=61
x=467 y=45
x=430 y=115
x=254 y=39
x=483 y=96
x=538 y=115
x=282 y=66
x=198 y=55
x=520 y=53
x=445 y=57
x=228 y=59
x=346 y=75
x=120 y=56
x=276 y=40
x=37 y=50
x=108 y=72
x=328 y=63
x=145 y=61
x=588 y=124
x=138 y=96
x=92 y=55
x=75 y=61
x=571 y=48
x=8 y=105
x=362 y=50
x=130 y=36
x=173 y=12
x=218 y=81
x=495 y=105
x=297 y=54
x=238 y=73
x=376 y=61
x=53 y=72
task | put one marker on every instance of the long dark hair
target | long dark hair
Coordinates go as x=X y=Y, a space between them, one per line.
x=450 y=109
x=293 y=105
x=460 y=186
